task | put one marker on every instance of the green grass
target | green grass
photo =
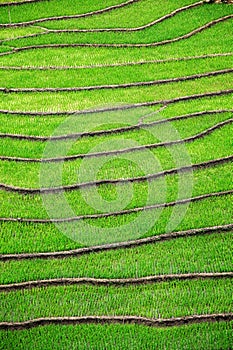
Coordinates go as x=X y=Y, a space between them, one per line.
x=132 y=337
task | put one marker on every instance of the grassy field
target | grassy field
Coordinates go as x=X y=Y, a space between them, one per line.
x=116 y=174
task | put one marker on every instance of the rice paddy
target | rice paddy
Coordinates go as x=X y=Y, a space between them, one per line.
x=116 y=174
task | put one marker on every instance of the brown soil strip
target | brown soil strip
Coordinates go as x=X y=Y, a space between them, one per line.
x=119 y=213
x=92 y=45
x=120 y=151
x=121 y=245
x=118 y=86
x=150 y=322
x=173 y=59
x=99 y=30
x=59 y=18
x=125 y=107
x=114 y=282
x=112 y=131
x=151 y=177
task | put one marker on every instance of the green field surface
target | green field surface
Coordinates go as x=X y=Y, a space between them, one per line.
x=118 y=337
x=116 y=175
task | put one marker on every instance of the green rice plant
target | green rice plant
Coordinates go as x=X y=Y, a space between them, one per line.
x=197 y=252
x=214 y=336
x=137 y=14
x=194 y=297
x=19 y=237
x=205 y=42
x=26 y=174
x=219 y=179
x=27 y=12
x=145 y=136
x=11 y=33
x=46 y=126
x=110 y=75
x=71 y=101
x=170 y=29
x=203 y=253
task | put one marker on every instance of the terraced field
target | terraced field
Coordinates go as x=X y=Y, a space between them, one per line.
x=116 y=174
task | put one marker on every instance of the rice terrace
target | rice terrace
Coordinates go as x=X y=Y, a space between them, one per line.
x=116 y=174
